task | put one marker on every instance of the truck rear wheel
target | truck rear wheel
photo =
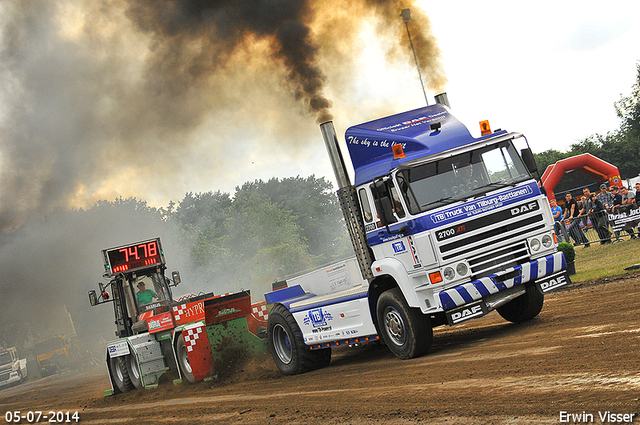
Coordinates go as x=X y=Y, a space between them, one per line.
x=525 y=307
x=119 y=374
x=183 y=360
x=406 y=331
x=287 y=346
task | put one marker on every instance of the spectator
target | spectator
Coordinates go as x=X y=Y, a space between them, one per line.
x=637 y=202
x=605 y=197
x=627 y=200
x=615 y=208
x=572 y=212
x=598 y=217
x=586 y=207
x=556 y=211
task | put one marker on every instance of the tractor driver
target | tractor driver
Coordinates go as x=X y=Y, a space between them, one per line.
x=144 y=295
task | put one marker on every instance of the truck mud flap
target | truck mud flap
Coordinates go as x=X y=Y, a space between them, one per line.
x=467 y=312
x=549 y=283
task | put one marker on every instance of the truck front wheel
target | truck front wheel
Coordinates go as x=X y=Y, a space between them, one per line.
x=406 y=331
x=287 y=346
x=525 y=307
x=119 y=374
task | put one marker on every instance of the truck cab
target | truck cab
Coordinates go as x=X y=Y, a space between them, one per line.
x=13 y=370
x=53 y=355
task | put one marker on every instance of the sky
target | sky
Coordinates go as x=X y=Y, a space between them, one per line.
x=114 y=101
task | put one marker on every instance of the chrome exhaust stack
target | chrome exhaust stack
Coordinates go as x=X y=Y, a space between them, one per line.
x=348 y=199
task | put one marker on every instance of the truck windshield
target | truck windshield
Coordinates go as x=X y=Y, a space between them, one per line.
x=469 y=174
x=49 y=345
x=5 y=358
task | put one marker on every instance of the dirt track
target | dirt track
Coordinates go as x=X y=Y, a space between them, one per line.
x=579 y=356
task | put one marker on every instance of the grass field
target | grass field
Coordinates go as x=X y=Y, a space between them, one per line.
x=606 y=260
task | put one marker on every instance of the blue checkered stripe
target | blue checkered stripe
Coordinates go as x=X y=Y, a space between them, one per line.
x=473 y=291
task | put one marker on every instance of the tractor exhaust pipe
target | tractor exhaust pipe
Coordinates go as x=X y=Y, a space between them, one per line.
x=348 y=199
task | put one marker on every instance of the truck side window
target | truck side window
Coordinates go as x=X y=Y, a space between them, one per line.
x=364 y=203
x=397 y=204
x=408 y=197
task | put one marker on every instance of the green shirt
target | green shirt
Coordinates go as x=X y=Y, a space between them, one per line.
x=145 y=297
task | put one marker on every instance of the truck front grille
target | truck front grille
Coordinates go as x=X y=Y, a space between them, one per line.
x=496 y=242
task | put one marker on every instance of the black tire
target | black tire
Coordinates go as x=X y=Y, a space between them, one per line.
x=525 y=307
x=405 y=331
x=133 y=370
x=119 y=374
x=183 y=360
x=287 y=346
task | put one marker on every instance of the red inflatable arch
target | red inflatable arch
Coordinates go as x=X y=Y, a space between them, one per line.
x=587 y=164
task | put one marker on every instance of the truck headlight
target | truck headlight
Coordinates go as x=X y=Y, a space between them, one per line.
x=547 y=242
x=449 y=274
x=462 y=269
x=534 y=244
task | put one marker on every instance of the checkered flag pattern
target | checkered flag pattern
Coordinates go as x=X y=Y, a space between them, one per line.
x=178 y=311
x=192 y=336
x=259 y=311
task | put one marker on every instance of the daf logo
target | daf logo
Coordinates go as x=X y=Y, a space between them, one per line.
x=553 y=283
x=466 y=313
x=521 y=209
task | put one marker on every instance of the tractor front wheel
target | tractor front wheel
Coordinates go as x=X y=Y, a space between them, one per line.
x=119 y=374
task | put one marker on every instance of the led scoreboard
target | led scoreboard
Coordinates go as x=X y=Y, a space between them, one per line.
x=133 y=257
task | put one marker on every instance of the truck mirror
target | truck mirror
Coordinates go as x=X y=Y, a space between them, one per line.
x=382 y=202
x=175 y=276
x=93 y=299
x=385 y=209
x=529 y=160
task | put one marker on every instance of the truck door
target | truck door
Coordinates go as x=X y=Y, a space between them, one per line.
x=391 y=210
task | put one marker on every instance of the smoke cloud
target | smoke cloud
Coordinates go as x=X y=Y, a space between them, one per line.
x=102 y=97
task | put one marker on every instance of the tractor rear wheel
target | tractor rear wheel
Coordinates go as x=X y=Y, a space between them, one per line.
x=287 y=346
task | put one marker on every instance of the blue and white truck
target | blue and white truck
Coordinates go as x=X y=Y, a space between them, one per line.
x=445 y=226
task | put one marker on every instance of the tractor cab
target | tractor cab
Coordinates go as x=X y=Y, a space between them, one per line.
x=139 y=287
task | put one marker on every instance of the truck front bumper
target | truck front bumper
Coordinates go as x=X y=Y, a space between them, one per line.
x=540 y=270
